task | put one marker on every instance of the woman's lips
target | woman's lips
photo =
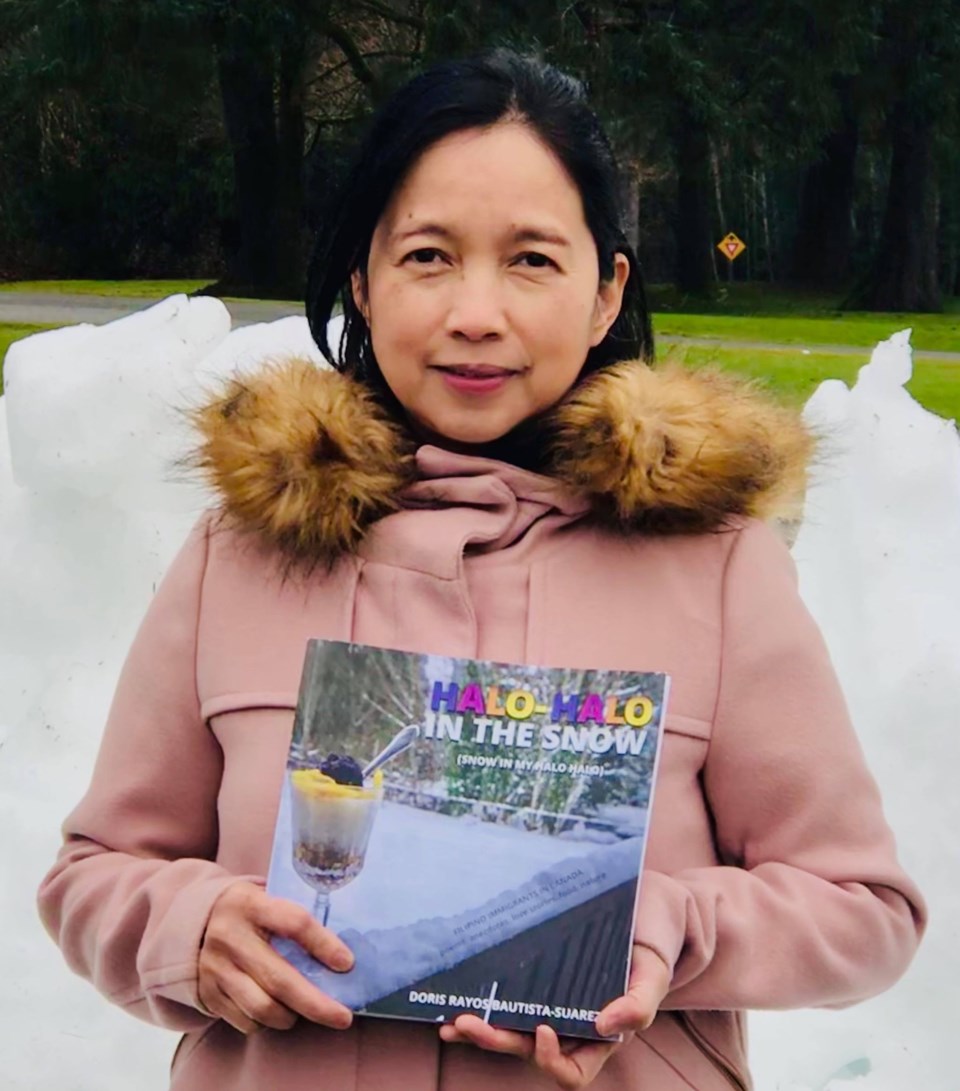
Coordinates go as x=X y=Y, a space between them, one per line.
x=475 y=378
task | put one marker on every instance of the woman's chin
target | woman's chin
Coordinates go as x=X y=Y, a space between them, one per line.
x=465 y=438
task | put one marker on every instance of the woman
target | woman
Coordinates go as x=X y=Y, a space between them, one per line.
x=480 y=477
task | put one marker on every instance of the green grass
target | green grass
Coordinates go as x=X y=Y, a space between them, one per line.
x=938 y=333
x=130 y=289
x=10 y=332
x=753 y=297
x=278 y=302
x=795 y=376
x=758 y=312
x=759 y=298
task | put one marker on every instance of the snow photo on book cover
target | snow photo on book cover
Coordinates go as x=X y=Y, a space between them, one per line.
x=473 y=831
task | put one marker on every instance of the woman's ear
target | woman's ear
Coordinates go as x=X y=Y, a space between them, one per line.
x=358 y=289
x=609 y=299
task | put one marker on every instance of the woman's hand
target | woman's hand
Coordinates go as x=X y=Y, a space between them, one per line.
x=244 y=981
x=575 y=1064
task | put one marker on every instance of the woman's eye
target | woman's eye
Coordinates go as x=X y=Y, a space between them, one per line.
x=424 y=256
x=534 y=260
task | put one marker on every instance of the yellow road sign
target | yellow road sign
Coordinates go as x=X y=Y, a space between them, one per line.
x=731 y=246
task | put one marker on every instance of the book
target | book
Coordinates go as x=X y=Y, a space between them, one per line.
x=474 y=832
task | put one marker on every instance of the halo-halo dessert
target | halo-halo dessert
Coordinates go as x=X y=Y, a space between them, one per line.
x=333 y=815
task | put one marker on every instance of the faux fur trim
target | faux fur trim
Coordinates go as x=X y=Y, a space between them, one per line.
x=670 y=449
x=303 y=458
x=306 y=460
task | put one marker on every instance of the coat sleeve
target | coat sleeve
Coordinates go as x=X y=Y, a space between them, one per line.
x=132 y=888
x=809 y=907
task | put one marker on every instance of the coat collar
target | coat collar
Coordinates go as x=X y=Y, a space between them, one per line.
x=306 y=460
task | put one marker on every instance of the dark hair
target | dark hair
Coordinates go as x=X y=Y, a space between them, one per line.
x=451 y=96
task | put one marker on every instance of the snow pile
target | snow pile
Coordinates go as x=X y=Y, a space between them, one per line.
x=90 y=516
x=879 y=560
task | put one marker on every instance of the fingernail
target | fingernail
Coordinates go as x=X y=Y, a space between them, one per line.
x=342 y=960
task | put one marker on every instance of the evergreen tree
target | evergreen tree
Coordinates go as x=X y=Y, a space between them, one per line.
x=917 y=64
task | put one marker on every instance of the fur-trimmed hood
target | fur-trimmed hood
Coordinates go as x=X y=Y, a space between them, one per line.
x=306 y=459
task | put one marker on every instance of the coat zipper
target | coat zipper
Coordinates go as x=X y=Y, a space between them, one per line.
x=711 y=1052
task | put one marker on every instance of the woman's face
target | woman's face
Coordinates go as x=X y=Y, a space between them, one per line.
x=482 y=289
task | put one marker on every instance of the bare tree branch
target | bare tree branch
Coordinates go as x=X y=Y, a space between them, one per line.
x=351 y=51
x=327 y=73
x=387 y=12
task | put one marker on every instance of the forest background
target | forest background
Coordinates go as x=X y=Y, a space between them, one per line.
x=199 y=138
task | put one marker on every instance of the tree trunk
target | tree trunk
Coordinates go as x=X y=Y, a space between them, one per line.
x=245 y=67
x=630 y=202
x=824 y=243
x=767 y=236
x=904 y=277
x=950 y=228
x=693 y=227
x=290 y=254
x=721 y=215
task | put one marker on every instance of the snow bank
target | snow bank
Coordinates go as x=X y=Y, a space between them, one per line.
x=90 y=516
x=879 y=560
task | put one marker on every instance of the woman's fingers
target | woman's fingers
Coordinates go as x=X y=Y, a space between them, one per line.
x=575 y=1065
x=472 y=1029
x=238 y=962
x=277 y=916
x=649 y=983
x=219 y=1004
x=291 y=989
x=633 y=1012
x=574 y=1068
x=260 y=964
x=252 y=1001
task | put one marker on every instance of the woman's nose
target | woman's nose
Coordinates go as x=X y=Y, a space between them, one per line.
x=476 y=308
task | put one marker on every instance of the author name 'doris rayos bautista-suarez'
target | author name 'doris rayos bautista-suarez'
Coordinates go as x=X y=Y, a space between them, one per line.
x=578 y=723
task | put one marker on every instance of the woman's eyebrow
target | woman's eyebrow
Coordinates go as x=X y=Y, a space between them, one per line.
x=537 y=234
x=436 y=231
x=518 y=235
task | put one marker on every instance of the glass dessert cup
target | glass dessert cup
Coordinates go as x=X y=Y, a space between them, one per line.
x=331 y=830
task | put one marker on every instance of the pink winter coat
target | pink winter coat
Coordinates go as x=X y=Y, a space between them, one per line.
x=771 y=878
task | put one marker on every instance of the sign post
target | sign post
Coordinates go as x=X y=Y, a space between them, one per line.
x=731 y=246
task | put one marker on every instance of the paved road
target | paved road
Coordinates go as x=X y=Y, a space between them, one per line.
x=54 y=308
x=48 y=308
x=808 y=347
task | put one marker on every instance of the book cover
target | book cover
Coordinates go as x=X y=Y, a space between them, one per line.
x=473 y=831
